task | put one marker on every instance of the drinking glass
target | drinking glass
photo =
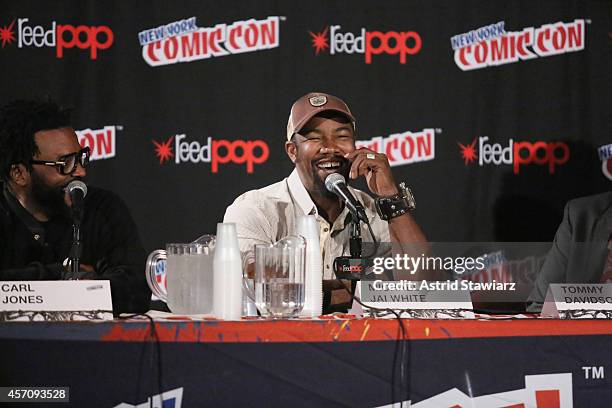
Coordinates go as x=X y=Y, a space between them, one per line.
x=279 y=277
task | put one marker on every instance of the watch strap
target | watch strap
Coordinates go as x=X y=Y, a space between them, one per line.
x=396 y=205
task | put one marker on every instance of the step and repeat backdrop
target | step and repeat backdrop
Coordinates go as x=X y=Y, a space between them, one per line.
x=496 y=113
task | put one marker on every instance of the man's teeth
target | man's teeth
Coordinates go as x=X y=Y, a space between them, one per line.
x=329 y=165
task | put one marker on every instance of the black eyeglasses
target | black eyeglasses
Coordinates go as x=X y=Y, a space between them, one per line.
x=67 y=164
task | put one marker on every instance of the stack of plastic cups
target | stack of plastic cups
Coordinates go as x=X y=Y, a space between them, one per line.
x=227 y=279
x=307 y=226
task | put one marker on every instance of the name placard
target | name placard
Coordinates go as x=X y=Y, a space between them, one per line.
x=55 y=300
x=406 y=297
x=578 y=300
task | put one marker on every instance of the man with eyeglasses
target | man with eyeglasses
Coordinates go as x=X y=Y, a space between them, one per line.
x=39 y=156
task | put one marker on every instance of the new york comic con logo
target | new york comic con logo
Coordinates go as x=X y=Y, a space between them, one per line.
x=60 y=36
x=605 y=155
x=516 y=154
x=404 y=147
x=184 y=41
x=167 y=399
x=370 y=43
x=492 y=45
x=541 y=391
x=215 y=152
x=101 y=142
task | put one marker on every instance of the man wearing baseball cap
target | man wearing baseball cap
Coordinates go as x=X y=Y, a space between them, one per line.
x=321 y=141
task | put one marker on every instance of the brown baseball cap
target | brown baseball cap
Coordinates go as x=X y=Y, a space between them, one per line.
x=312 y=104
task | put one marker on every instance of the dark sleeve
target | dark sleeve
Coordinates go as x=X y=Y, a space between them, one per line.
x=32 y=272
x=555 y=265
x=8 y=271
x=121 y=256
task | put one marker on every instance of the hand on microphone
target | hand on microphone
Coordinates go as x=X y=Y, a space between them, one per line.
x=376 y=169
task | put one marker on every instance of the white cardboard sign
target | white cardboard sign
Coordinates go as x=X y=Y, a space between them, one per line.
x=447 y=304
x=55 y=300
x=566 y=297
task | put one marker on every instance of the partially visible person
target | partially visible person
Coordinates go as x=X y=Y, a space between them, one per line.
x=582 y=249
x=39 y=156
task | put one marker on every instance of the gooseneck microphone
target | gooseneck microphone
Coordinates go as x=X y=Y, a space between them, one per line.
x=336 y=183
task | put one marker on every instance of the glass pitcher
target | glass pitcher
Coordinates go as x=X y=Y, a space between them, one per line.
x=189 y=276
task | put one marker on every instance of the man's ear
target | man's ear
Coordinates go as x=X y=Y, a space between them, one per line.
x=291 y=150
x=19 y=175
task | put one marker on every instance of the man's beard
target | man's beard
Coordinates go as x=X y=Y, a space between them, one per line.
x=319 y=184
x=49 y=199
x=319 y=187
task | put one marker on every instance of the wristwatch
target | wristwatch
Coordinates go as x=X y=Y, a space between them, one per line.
x=396 y=205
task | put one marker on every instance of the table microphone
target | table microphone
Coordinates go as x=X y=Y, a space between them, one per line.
x=77 y=190
x=336 y=183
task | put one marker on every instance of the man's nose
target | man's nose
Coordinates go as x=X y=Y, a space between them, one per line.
x=329 y=145
x=79 y=171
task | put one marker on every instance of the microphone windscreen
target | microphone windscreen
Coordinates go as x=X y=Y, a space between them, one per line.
x=332 y=180
x=77 y=185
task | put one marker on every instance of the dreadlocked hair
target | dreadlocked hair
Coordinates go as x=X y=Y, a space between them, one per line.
x=19 y=121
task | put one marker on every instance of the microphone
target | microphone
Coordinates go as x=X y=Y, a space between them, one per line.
x=336 y=183
x=77 y=190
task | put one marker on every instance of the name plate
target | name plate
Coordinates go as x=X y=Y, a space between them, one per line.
x=578 y=301
x=55 y=300
x=414 y=299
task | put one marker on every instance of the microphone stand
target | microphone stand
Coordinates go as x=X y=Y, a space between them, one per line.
x=355 y=238
x=76 y=249
x=355 y=245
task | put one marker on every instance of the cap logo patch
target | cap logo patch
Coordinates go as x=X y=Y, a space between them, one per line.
x=317 y=101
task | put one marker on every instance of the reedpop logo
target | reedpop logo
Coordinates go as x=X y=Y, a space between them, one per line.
x=517 y=154
x=60 y=36
x=367 y=42
x=215 y=152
